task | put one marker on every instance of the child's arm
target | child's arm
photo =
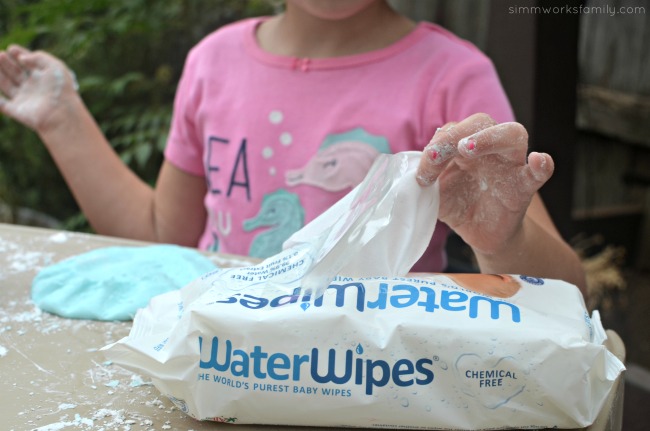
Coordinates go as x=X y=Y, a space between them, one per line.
x=40 y=93
x=489 y=197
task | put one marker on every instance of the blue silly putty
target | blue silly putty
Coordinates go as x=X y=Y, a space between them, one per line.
x=112 y=283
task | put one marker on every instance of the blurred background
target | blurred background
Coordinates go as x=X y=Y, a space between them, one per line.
x=577 y=74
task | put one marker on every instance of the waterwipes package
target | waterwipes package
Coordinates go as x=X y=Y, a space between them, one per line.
x=326 y=334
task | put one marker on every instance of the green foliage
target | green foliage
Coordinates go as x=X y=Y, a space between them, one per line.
x=128 y=56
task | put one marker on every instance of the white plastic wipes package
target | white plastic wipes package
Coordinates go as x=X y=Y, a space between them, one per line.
x=260 y=345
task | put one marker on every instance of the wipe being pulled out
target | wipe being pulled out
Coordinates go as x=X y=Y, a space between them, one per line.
x=333 y=332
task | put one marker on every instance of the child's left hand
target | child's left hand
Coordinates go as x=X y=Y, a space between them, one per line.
x=486 y=180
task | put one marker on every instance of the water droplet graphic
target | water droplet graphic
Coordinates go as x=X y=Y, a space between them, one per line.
x=359 y=349
x=405 y=402
x=427 y=408
x=305 y=306
x=443 y=365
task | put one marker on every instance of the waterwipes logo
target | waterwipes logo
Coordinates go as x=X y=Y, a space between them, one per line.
x=321 y=366
x=394 y=295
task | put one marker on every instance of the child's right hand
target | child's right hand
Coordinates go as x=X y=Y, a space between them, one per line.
x=36 y=88
x=487 y=180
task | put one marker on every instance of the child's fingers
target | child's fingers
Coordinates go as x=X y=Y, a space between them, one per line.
x=23 y=59
x=435 y=157
x=16 y=51
x=11 y=73
x=507 y=139
x=541 y=168
x=34 y=60
x=444 y=146
x=15 y=66
x=533 y=175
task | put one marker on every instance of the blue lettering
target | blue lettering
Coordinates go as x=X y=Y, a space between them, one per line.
x=402 y=301
x=380 y=303
x=257 y=355
x=358 y=379
x=428 y=373
x=279 y=366
x=340 y=295
x=398 y=372
x=330 y=376
x=430 y=302
x=240 y=368
x=494 y=308
x=397 y=296
x=253 y=302
x=229 y=300
x=245 y=182
x=209 y=164
x=371 y=379
x=278 y=361
x=449 y=297
x=214 y=362
x=298 y=360
x=286 y=299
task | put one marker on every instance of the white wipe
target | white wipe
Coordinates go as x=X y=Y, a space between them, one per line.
x=289 y=342
x=382 y=227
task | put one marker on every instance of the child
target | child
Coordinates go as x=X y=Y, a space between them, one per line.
x=276 y=118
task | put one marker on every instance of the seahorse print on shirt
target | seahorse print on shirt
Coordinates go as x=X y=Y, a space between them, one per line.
x=283 y=214
x=341 y=162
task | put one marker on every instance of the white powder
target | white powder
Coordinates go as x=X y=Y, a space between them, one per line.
x=28 y=260
x=18 y=259
x=102 y=419
x=59 y=237
x=3 y=351
x=78 y=422
x=117 y=416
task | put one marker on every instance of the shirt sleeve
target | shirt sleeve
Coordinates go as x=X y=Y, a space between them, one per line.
x=474 y=87
x=184 y=148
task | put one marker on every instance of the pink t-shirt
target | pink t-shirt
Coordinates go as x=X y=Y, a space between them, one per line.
x=280 y=139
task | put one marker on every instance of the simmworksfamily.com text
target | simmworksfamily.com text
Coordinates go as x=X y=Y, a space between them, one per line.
x=568 y=9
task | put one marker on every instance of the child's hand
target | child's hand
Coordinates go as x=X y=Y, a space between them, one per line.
x=486 y=181
x=33 y=86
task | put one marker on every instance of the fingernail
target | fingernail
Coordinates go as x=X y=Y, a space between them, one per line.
x=424 y=181
x=468 y=143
